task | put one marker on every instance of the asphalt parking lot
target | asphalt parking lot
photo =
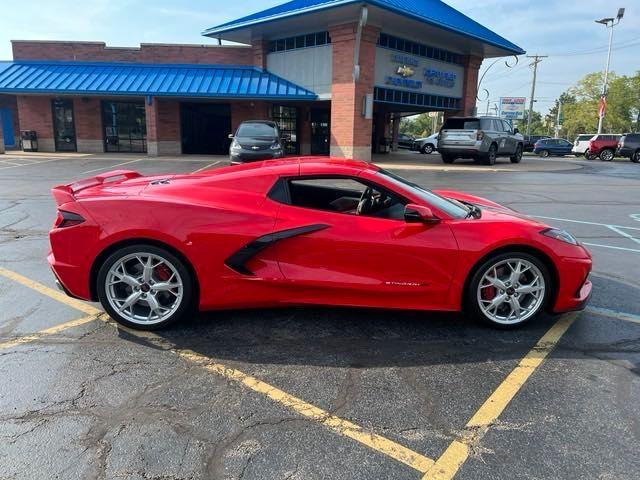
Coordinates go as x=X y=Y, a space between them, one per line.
x=325 y=393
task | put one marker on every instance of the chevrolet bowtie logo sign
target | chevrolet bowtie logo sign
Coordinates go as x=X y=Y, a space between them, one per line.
x=255 y=147
x=405 y=71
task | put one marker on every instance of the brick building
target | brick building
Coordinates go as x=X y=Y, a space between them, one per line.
x=336 y=75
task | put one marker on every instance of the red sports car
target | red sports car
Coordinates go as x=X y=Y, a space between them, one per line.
x=305 y=231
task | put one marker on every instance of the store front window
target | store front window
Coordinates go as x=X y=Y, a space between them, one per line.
x=287 y=120
x=125 y=128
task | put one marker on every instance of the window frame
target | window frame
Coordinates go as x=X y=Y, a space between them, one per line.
x=281 y=193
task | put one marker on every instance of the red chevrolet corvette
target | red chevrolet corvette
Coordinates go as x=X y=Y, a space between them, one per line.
x=305 y=231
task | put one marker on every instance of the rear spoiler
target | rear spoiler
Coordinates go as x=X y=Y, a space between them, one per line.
x=66 y=193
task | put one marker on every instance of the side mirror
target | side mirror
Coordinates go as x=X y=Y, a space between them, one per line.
x=231 y=136
x=419 y=214
x=516 y=131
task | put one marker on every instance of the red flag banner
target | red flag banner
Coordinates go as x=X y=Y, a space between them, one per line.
x=602 y=107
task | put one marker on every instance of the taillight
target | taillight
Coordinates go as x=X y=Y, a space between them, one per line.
x=67 y=219
x=479 y=135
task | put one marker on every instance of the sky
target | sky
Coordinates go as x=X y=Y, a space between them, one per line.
x=563 y=29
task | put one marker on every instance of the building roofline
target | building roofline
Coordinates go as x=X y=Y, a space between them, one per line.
x=238 y=24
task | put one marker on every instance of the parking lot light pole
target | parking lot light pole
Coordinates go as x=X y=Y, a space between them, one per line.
x=608 y=23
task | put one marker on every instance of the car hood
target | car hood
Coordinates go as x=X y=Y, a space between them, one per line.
x=256 y=140
x=492 y=208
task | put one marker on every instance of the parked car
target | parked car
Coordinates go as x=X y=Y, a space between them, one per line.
x=629 y=146
x=481 y=138
x=406 y=141
x=530 y=141
x=581 y=144
x=256 y=140
x=603 y=146
x=428 y=144
x=305 y=231
x=552 y=146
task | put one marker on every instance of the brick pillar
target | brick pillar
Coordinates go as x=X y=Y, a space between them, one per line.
x=350 y=131
x=470 y=85
x=34 y=113
x=87 y=114
x=259 y=49
x=163 y=127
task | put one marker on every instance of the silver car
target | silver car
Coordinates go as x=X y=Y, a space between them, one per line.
x=481 y=138
x=428 y=144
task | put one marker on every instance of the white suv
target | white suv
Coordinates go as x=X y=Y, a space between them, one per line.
x=581 y=144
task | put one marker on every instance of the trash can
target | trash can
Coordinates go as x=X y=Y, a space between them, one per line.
x=29 y=140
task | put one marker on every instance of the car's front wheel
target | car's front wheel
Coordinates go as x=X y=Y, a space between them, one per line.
x=508 y=290
x=544 y=153
x=145 y=287
x=427 y=149
x=517 y=157
x=635 y=158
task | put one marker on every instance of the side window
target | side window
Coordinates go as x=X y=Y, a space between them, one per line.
x=507 y=127
x=346 y=196
x=496 y=125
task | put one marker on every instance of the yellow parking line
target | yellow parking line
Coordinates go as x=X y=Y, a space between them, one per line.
x=47 y=332
x=49 y=292
x=337 y=424
x=446 y=467
x=343 y=427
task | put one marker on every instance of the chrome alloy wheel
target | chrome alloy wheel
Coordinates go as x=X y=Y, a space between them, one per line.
x=511 y=291
x=144 y=288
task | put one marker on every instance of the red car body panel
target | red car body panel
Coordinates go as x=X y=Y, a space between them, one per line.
x=599 y=144
x=345 y=259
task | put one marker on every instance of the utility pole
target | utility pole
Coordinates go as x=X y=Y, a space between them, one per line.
x=536 y=60
x=609 y=23
x=558 y=118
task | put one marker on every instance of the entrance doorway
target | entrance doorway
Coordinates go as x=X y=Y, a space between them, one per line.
x=205 y=128
x=64 y=128
x=6 y=119
x=319 y=131
x=125 y=127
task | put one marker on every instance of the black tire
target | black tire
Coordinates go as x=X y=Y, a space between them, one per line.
x=607 y=155
x=635 y=158
x=492 y=154
x=471 y=306
x=447 y=158
x=545 y=153
x=427 y=149
x=517 y=157
x=187 y=301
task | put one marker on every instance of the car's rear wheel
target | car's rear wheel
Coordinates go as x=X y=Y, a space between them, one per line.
x=145 y=287
x=492 y=154
x=508 y=290
x=517 y=157
x=635 y=158
x=606 y=155
x=447 y=158
x=544 y=153
x=427 y=149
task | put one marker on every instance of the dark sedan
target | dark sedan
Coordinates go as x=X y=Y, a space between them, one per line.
x=256 y=140
x=552 y=146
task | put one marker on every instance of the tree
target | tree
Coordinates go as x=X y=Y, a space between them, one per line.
x=417 y=125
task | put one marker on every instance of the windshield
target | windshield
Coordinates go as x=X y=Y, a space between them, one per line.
x=256 y=130
x=450 y=207
x=461 y=124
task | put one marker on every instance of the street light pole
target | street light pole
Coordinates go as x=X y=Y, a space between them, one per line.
x=608 y=23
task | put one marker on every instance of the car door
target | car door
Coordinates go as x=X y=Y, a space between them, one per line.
x=510 y=140
x=351 y=259
x=500 y=136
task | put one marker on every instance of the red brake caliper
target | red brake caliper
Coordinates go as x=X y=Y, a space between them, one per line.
x=163 y=272
x=489 y=293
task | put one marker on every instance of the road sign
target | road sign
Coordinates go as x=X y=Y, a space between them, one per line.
x=512 y=107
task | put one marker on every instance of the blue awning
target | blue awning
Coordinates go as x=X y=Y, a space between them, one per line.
x=433 y=12
x=135 y=79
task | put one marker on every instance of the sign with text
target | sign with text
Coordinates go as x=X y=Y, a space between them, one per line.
x=512 y=108
x=417 y=74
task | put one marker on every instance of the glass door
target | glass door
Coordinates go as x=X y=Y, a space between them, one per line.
x=287 y=120
x=64 y=128
x=319 y=132
x=125 y=126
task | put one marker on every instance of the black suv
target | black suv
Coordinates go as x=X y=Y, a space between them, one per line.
x=629 y=146
x=256 y=140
